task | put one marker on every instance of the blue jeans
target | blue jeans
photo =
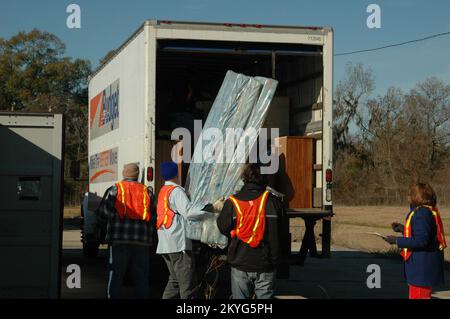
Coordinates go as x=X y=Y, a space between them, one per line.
x=246 y=284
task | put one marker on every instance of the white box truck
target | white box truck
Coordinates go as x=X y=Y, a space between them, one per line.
x=168 y=73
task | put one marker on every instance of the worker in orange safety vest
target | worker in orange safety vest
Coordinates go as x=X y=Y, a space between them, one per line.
x=174 y=209
x=128 y=209
x=423 y=242
x=251 y=219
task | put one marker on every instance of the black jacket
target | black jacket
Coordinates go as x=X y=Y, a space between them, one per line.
x=265 y=257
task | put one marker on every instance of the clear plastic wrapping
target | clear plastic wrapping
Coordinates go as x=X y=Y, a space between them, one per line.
x=228 y=136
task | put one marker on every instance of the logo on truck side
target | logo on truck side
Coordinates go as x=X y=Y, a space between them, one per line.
x=103 y=166
x=104 y=111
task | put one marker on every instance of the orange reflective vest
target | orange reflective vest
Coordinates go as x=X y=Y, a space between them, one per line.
x=165 y=214
x=132 y=201
x=440 y=235
x=250 y=219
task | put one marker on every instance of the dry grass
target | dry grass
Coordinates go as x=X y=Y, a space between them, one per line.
x=351 y=225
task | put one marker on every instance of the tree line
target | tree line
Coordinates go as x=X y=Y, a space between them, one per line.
x=381 y=144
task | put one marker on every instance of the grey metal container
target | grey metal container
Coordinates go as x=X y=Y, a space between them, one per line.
x=31 y=183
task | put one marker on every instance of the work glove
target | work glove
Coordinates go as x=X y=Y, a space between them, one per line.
x=218 y=205
x=391 y=239
x=398 y=228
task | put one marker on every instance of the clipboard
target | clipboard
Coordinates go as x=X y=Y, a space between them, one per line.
x=377 y=234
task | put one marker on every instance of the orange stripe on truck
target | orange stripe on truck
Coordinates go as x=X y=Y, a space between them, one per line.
x=95 y=101
x=96 y=175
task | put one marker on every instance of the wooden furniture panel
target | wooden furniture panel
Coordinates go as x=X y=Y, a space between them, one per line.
x=295 y=176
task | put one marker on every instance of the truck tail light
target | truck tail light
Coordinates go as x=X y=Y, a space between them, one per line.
x=329 y=180
x=329 y=176
x=149 y=174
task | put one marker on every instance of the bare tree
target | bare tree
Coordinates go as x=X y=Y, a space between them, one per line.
x=349 y=96
x=428 y=110
x=384 y=114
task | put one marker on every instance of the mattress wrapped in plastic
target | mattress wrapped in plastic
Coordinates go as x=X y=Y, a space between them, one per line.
x=228 y=136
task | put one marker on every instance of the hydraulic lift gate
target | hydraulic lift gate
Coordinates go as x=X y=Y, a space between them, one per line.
x=31 y=183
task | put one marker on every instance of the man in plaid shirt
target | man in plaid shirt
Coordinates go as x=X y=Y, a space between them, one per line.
x=130 y=218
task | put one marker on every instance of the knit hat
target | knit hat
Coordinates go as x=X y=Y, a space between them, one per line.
x=169 y=170
x=130 y=170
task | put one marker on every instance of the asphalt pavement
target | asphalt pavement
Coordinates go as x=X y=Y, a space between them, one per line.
x=345 y=275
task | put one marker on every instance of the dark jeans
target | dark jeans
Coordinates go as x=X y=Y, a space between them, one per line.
x=122 y=256
x=246 y=284
x=182 y=278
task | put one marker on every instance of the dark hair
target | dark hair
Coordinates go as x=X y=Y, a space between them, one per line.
x=252 y=174
x=421 y=194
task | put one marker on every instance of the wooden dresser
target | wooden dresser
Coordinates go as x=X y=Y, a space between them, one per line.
x=295 y=176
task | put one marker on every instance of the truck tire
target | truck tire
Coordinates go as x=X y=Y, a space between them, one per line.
x=90 y=250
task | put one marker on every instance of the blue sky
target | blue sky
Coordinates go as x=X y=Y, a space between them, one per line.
x=106 y=24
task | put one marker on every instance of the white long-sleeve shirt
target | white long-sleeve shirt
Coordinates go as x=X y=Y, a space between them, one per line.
x=174 y=240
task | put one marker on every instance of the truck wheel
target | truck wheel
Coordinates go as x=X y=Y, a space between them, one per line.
x=90 y=250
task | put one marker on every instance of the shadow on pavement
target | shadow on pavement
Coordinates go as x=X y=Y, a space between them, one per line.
x=72 y=223
x=94 y=277
x=343 y=276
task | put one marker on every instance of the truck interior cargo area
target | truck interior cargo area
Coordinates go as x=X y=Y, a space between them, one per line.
x=189 y=75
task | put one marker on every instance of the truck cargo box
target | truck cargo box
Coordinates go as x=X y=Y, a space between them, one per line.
x=167 y=74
